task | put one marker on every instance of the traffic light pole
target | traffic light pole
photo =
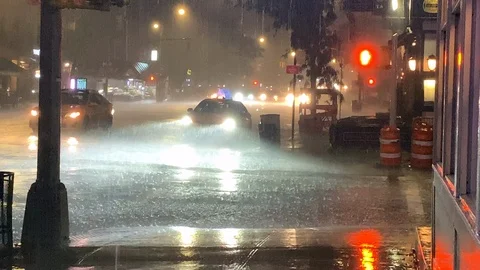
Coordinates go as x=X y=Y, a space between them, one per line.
x=294 y=85
x=45 y=231
x=393 y=90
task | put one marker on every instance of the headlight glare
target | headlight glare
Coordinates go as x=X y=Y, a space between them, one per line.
x=229 y=124
x=186 y=120
x=74 y=115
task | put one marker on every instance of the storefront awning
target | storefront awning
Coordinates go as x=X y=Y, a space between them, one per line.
x=8 y=68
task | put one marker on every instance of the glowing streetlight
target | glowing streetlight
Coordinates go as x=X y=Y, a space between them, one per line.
x=181 y=11
x=334 y=61
x=154 y=55
x=261 y=39
x=412 y=64
x=394 y=5
x=67 y=64
x=293 y=53
x=156 y=26
x=432 y=62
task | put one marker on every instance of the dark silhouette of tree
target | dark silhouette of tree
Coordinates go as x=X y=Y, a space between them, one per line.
x=309 y=22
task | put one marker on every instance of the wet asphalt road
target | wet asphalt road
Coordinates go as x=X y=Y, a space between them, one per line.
x=151 y=176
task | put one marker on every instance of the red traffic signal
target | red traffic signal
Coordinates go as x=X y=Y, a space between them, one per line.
x=371 y=82
x=255 y=82
x=366 y=55
x=365 y=58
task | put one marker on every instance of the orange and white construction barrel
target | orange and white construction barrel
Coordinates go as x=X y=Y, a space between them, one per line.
x=390 y=150
x=422 y=145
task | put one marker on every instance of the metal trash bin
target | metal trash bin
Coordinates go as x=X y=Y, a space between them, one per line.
x=6 y=201
x=356 y=105
x=269 y=127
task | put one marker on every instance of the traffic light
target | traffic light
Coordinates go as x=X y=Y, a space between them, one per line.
x=371 y=82
x=365 y=58
x=366 y=55
x=152 y=78
x=255 y=83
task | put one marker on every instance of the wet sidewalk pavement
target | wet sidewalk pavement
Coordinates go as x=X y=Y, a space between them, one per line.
x=191 y=248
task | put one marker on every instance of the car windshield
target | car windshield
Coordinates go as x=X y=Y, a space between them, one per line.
x=74 y=98
x=212 y=106
x=239 y=134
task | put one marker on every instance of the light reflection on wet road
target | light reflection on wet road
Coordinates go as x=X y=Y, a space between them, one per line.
x=158 y=178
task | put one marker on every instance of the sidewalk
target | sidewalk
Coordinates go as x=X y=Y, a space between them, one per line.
x=313 y=248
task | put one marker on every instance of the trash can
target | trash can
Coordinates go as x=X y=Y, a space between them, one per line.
x=356 y=105
x=269 y=128
x=6 y=200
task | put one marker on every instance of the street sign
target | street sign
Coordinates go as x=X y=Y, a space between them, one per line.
x=293 y=69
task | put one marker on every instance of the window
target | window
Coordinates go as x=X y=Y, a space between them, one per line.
x=74 y=98
x=94 y=99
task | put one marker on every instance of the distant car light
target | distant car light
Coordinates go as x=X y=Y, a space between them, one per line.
x=32 y=139
x=289 y=99
x=74 y=115
x=263 y=97
x=186 y=120
x=229 y=124
x=214 y=96
x=34 y=112
x=112 y=111
x=275 y=98
x=72 y=141
x=238 y=97
x=303 y=99
x=250 y=97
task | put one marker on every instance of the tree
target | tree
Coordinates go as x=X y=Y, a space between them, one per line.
x=309 y=22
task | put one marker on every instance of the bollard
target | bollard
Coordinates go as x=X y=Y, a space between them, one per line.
x=422 y=145
x=269 y=128
x=390 y=150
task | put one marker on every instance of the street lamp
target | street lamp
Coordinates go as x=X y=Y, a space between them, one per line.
x=432 y=62
x=293 y=53
x=67 y=64
x=181 y=11
x=261 y=39
x=155 y=26
x=154 y=55
x=412 y=64
x=394 y=5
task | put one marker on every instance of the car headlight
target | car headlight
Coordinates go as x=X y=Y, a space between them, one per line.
x=186 y=120
x=304 y=99
x=112 y=111
x=74 y=115
x=275 y=98
x=263 y=97
x=289 y=98
x=238 y=97
x=250 y=97
x=72 y=141
x=34 y=112
x=229 y=124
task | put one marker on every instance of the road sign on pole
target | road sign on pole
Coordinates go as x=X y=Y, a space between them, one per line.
x=293 y=69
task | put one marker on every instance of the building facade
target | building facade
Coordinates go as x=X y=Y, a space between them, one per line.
x=456 y=211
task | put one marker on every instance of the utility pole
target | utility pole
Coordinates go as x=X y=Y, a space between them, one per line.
x=45 y=231
x=126 y=34
x=393 y=90
x=294 y=84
